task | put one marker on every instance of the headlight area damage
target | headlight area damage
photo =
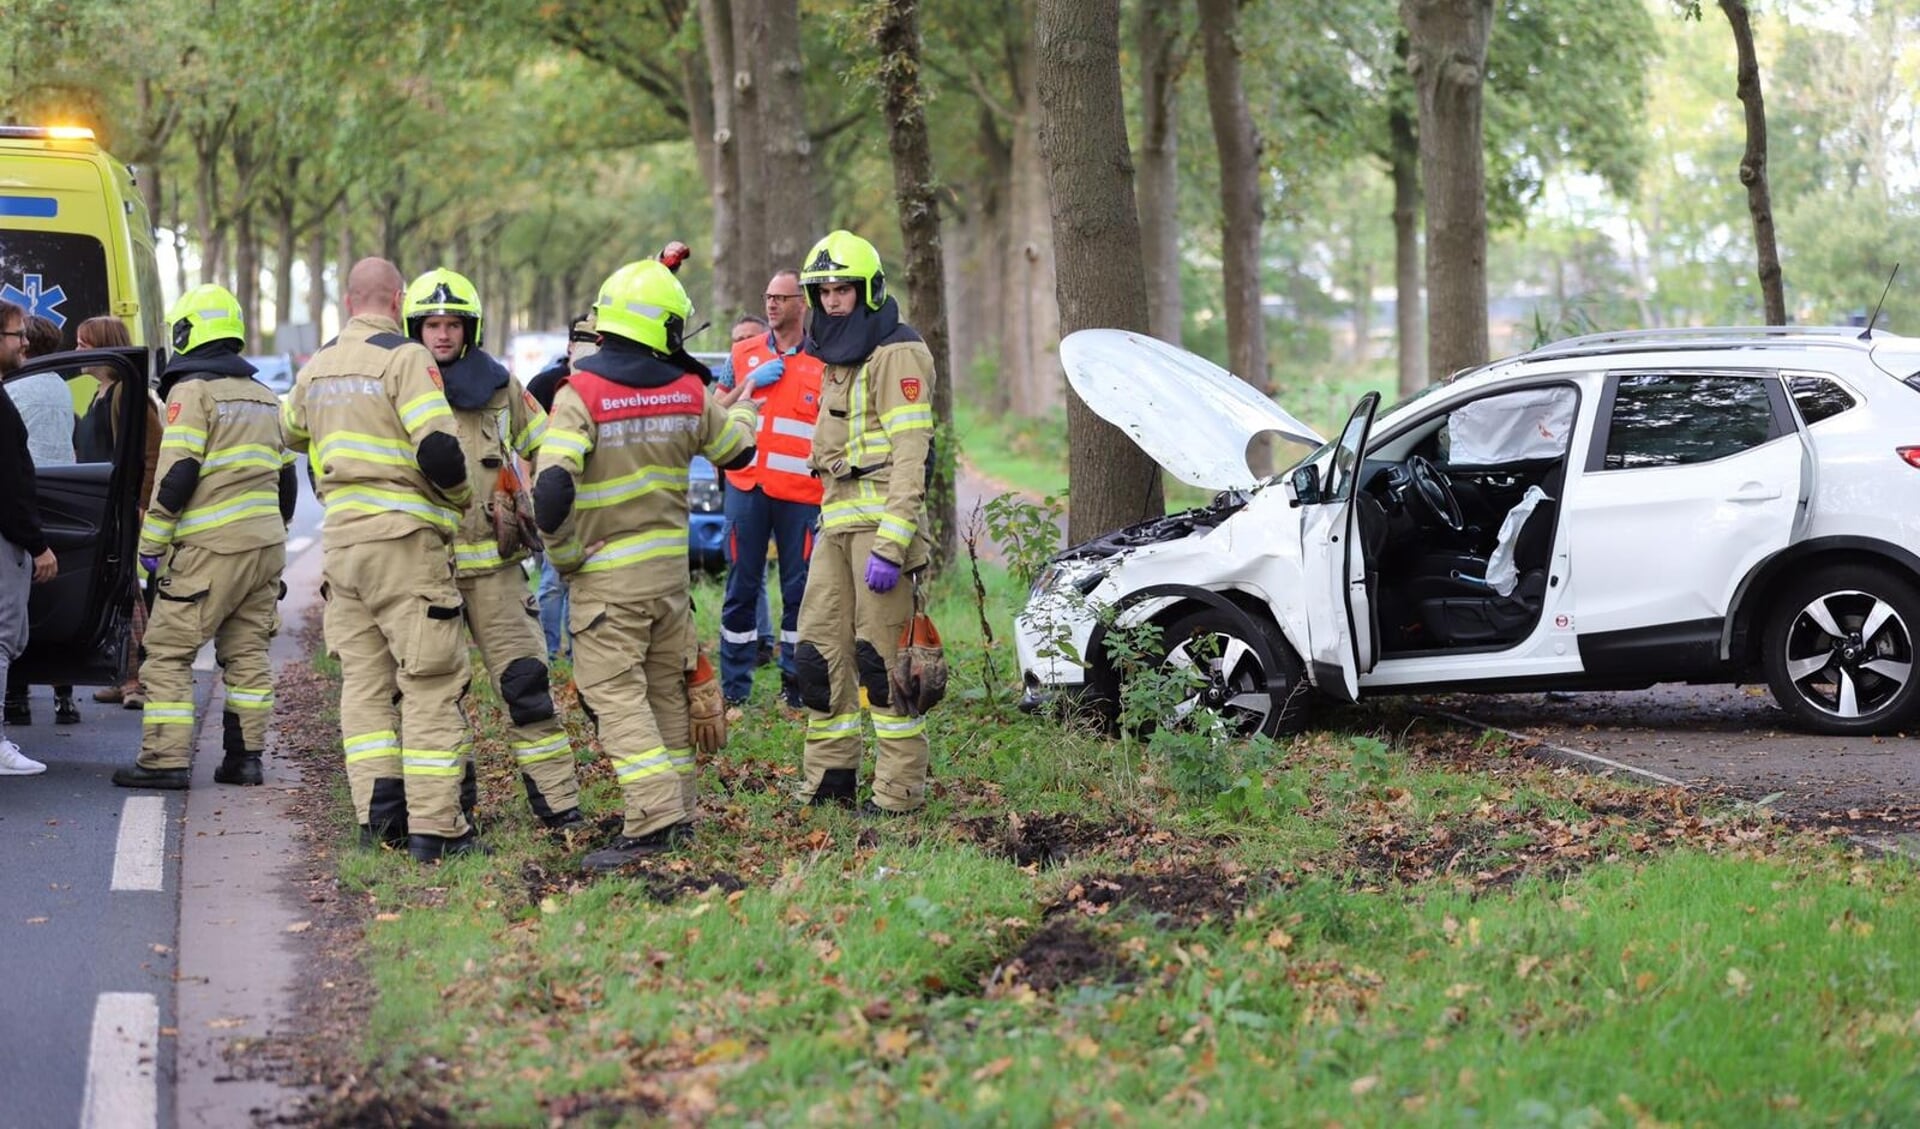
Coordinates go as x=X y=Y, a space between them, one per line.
x=1058 y=633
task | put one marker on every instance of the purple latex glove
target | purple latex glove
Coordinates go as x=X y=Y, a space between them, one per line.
x=882 y=574
x=769 y=372
x=150 y=565
x=723 y=374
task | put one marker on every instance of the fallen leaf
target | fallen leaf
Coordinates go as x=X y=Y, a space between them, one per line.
x=1280 y=939
x=300 y=927
x=386 y=917
x=225 y=1022
x=1364 y=1085
x=993 y=1069
x=161 y=949
x=894 y=1042
x=36 y=921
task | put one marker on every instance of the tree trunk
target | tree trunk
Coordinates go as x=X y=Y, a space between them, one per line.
x=1030 y=335
x=1409 y=296
x=914 y=185
x=1753 y=164
x=1102 y=278
x=246 y=275
x=343 y=259
x=285 y=247
x=1447 y=60
x=723 y=177
x=317 y=277
x=178 y=225
x=976 y=251
x=697 y=89
x=750 y=134
x=1242 y=213
x=1163 y=55
x=789 y=146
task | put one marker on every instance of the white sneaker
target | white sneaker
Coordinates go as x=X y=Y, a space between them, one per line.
x=13 y=762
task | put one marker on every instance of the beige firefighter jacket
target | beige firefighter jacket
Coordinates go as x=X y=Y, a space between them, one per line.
x=231 y=429
x=363 y=406
x=510 y=426
x=626 y=449
x=871 y=447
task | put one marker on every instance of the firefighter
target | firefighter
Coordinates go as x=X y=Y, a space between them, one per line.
x=498 y=420
x=392 y=478
x=215 y=539
x=871 y=450
x=610 y=492
x=778 y=496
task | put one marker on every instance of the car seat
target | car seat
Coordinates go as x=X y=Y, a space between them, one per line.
x=1463 y=609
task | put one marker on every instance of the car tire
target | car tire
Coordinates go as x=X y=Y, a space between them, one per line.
x=1862 y=622
x=1255 y=681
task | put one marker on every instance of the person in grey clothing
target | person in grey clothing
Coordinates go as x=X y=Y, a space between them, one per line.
x=25 y=559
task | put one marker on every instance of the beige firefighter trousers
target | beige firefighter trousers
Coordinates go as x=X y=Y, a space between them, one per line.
x=856 y=632
x=630 y=663
x=505 y=621
x=226 y=597
x=393 y=622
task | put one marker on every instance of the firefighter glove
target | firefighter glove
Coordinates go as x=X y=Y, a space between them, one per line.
x=706 y=710
x=918 y=678
x=882 y=574
x=150 y=565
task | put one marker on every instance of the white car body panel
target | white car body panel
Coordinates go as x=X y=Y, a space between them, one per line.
x=1192 y=416
x=1634 y=550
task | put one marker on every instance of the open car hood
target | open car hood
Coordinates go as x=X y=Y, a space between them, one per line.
x=1193 y=417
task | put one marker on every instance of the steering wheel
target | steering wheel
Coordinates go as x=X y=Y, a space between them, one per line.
x=1436 y=492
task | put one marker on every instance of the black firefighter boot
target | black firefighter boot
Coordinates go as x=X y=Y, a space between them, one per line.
x=560 y=822
x=170 y=779
x=240 y=766
x=386 y=815
x=625 y=850
x=433 y=848
x=837 y=786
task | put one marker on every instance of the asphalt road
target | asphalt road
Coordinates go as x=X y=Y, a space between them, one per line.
x=89 y=933
x=1730 y=737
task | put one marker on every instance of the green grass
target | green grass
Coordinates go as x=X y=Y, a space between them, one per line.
x=1398 y=924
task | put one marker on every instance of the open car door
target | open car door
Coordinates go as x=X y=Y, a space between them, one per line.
x=1339 y=613
x=77 y=623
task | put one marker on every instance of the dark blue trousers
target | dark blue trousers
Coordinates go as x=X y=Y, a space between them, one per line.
x=752 y=520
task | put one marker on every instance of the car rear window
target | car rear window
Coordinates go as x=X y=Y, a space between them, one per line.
x=61 y=276
x=1662 y=419
x=1818 y=398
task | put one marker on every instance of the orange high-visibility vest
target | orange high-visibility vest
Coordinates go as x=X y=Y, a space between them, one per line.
x=788 y=410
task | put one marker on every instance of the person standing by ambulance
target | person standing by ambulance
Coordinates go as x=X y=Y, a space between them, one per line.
x=871 y=449
x=776 y=497
x=610 y=493
x=499 y=422
x=392 y=478
x=215 y=540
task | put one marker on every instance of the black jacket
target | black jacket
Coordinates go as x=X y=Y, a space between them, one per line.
x=19 y=500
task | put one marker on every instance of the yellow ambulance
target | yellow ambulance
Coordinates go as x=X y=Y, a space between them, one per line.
x=75 y=237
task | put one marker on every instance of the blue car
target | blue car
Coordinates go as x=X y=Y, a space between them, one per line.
x=706 y=517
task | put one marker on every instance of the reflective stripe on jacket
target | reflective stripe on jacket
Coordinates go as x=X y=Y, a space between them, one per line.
x=789 y=409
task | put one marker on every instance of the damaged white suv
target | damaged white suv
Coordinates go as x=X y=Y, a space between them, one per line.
x=1608 y=512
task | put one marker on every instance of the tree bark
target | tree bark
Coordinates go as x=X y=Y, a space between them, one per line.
x=721 y=158
x=1409 y=294
x=285 y=249
x=1447 y=60
x=246 y=275
x=1102 y=278
x=1030 y=328
x=1753 y=163
x=914 y=186
x=317 y=276
x=1242 y=213
x=793 y=222
x=750 y=134
x=1163 y=56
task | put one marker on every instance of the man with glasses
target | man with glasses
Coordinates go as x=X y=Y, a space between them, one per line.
x=25 y=559
x=777 y=495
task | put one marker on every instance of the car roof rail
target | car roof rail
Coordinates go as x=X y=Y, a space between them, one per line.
x=1697 y=336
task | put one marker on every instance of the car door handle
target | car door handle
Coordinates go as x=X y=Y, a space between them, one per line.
x=1754 y=492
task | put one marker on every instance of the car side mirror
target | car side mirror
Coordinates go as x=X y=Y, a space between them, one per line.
x=1304 y=483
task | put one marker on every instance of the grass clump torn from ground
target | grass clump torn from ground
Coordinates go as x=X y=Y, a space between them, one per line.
x=1389 y=922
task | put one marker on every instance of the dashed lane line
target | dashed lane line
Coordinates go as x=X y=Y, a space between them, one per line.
x=121 y=1090
x=139 y=856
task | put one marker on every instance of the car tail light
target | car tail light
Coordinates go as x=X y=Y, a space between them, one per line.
x=1911 y=454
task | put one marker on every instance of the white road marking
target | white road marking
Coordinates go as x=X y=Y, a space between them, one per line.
x=140 y=853
x=297 y=546
x=121 y=1093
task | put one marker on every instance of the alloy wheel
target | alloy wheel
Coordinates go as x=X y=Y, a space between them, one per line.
x=1227 y=680
x=1849 y=653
